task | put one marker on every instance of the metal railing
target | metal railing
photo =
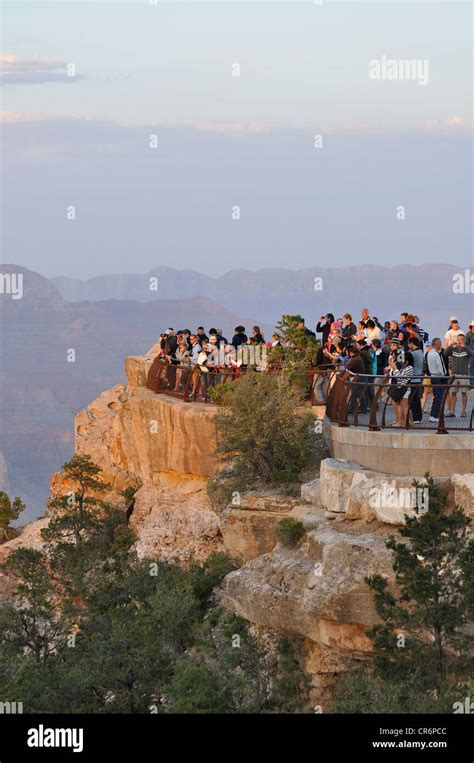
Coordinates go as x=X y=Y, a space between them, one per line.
x=186 y=382
x=368 y=403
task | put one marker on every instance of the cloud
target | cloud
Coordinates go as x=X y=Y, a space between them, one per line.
x=452 y=121
x=34 y=71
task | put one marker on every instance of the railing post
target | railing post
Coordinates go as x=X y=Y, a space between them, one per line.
x=441 y=425
x=373 y=424
x=343 y=419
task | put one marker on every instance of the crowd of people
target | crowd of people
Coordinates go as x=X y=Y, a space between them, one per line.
x=417 y=366
x=368 y=350
x=217 y=359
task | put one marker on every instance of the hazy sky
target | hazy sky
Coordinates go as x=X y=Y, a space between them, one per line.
x=142 y=69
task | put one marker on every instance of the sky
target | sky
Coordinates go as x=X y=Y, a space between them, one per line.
x=141 y=69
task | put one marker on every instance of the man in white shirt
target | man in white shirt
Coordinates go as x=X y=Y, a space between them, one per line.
x=196 y=349
x=452 y=333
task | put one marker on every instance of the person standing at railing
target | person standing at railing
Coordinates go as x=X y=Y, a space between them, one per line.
x=470 y=344
x=195 y=349
x=201 y=334
x=349 y=328
x=372 y=330
x=452 y=333
x=378 y=358
x=257 y=335
x=400 y=391
x=184 y=364
x=324 y=327
x=240 y=337
x=364 y=348
x=417 y=379
x=356 y=367
x=459 y=355
x=439 y=377
x=427 y=386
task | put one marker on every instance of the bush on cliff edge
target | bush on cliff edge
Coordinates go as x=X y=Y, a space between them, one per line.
x=265 y=434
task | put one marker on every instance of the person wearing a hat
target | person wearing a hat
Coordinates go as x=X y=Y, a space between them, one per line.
x=470 y=344
x=240 y=337
x=452 y=333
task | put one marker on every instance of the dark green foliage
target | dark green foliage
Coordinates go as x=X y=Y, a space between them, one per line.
x=9 y=510
x=93 y=629
x=264 y=433
x=75 y=513
x=434 y=570
x=129 y=493
x=423 y=646
x=298 y=350
x=289 y=531
x=32 y=625
x=229 y=671
x=369 y=694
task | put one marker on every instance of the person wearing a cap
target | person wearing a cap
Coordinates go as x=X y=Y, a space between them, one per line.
x=452 y=333
x=460 y=356
x=213 y=352
x=395 y=349
x=470 y=344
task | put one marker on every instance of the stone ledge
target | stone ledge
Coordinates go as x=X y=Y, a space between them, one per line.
x=392 y=452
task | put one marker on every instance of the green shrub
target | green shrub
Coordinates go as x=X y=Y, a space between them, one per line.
x=265 y=431
x=289 y=531
x=218 y=393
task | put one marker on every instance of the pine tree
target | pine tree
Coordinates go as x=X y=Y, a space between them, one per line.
x=9 y=510
x=298 y=349
x=76 y=512
x=31 y=624
x=424 y=634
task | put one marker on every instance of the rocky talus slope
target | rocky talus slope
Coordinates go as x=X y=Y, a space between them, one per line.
x=314 y=591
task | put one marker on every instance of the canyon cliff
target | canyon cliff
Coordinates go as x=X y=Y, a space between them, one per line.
x=315 y=592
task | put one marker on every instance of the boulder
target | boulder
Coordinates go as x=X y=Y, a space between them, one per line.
x=335 y=482
x=310 y=491
x=358 y=493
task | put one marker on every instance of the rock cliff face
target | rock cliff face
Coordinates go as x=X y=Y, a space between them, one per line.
x=315 y=591
x=164 y=448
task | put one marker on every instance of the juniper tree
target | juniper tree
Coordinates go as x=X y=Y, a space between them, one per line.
x=424 y=634
x=264 y=430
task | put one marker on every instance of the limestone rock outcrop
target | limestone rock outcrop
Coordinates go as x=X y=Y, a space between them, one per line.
x=248 y=522
x=359 y=493
x=316 y=591
x=163 y=448
x=174 y=521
